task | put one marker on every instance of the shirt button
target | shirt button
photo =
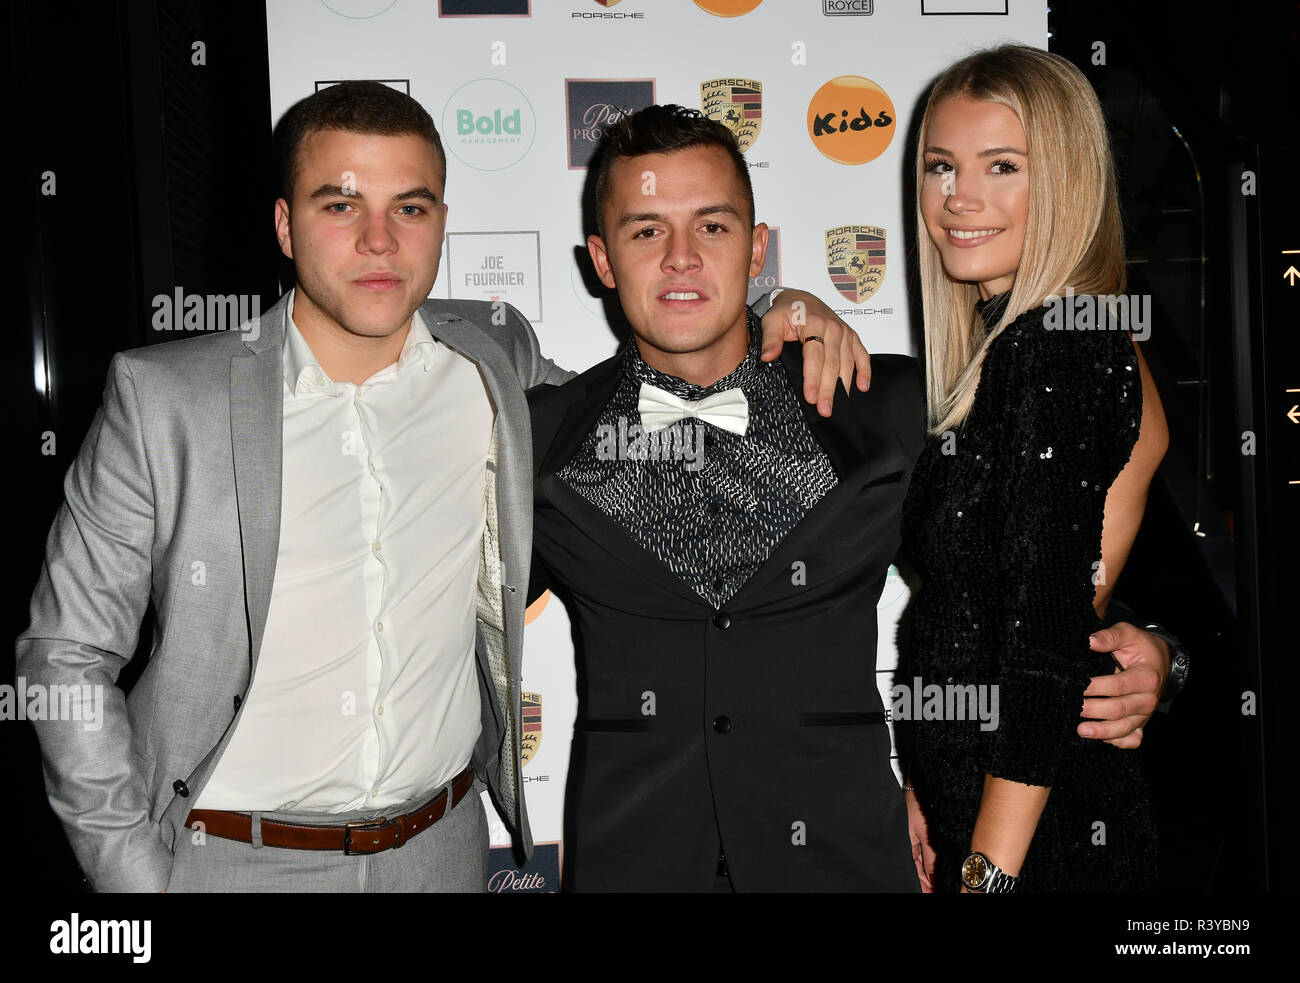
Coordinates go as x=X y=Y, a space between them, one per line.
x=374 y=793
x=722 y=725
x=380 y=710
x=719 y=584
x=714 y=508
x=377 y=546
x=722 y=621
x=379 y=626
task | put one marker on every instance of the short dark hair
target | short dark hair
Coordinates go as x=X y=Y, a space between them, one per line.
x=354 y=107
x=662 y=130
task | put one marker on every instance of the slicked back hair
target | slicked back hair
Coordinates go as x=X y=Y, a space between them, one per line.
x=353 y=107
x=663 y=130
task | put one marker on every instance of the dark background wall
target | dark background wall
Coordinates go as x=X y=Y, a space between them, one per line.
x=163 y=177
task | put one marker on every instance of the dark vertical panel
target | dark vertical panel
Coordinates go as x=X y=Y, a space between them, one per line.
x=163 y=177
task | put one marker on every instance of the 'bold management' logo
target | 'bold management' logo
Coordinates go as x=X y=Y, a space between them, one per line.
x=594 y=105
x=488 y=124
x=855 y=259
x=736 y=103
x=851 y=120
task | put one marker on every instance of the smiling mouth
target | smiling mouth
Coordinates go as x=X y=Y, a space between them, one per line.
x=968 y=235
x=680 y=295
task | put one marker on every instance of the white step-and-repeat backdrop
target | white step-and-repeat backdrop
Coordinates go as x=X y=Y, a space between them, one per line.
x=821 y=94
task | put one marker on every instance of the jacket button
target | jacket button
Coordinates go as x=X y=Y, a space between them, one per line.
x=238 y=700
x=722 y=621
x=180 y=788
x=722 y=725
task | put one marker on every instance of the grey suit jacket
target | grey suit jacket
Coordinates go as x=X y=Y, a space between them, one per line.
x=174 y=498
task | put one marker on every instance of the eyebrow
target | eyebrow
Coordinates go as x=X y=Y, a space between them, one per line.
x=659 y=217
x=335 y=191
x=991 y=152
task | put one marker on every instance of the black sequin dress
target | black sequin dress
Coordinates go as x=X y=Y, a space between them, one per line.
x=1003 y=523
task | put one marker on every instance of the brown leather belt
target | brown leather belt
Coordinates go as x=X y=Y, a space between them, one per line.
x=364 y=836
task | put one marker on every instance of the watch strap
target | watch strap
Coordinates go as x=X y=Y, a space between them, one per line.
x=1179 y=662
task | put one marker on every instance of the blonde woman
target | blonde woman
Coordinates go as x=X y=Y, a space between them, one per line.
x=1045 y=431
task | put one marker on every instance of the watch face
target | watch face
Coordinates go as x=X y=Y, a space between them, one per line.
x=974 y=870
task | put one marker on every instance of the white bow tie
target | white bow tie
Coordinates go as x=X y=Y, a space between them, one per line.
x=728 y=410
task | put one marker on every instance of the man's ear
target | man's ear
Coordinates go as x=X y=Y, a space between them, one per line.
x=600 y=260
x=282 y=227
x=759 y=254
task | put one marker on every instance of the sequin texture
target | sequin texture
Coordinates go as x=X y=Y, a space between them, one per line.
x=1006 y=600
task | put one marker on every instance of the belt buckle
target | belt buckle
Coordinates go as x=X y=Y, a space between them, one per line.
x=362 y=824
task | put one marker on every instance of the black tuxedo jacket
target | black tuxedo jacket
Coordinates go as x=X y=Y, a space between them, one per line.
x=757 y=729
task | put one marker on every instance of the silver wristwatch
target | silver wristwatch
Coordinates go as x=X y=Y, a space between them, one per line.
x=982 y=876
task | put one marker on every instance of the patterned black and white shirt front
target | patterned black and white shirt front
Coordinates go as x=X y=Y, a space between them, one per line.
x=710 y=504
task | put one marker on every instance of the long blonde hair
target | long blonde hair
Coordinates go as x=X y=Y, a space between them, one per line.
x=1074 y=236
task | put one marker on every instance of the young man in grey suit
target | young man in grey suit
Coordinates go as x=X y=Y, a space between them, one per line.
x=331 y=512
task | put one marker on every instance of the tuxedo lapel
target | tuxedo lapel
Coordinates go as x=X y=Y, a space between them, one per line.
x=837 y=435
x=554 y=446
x=860 y=441
x=578 y=417
x=613 y=539
x=257 y=437
x=860 y=436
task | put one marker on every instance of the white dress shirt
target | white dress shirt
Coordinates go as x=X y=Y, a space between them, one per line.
x=366 y=693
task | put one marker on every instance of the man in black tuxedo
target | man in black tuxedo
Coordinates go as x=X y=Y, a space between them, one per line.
x=721 y=548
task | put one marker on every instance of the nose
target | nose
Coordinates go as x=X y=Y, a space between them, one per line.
x=376 y=234
x=962 y=196
x=680 y=252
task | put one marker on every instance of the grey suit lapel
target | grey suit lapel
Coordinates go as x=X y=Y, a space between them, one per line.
x=257 y=437
x=507 y=538
x=468 y=339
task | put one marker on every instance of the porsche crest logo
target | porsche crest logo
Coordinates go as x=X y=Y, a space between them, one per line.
x=855 y=259
x=737 y=104
x=531 y=727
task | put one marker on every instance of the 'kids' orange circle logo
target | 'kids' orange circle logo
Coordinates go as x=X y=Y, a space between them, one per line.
x=851 y=120
x=727 y=8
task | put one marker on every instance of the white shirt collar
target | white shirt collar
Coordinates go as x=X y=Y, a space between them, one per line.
x=303 y=372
